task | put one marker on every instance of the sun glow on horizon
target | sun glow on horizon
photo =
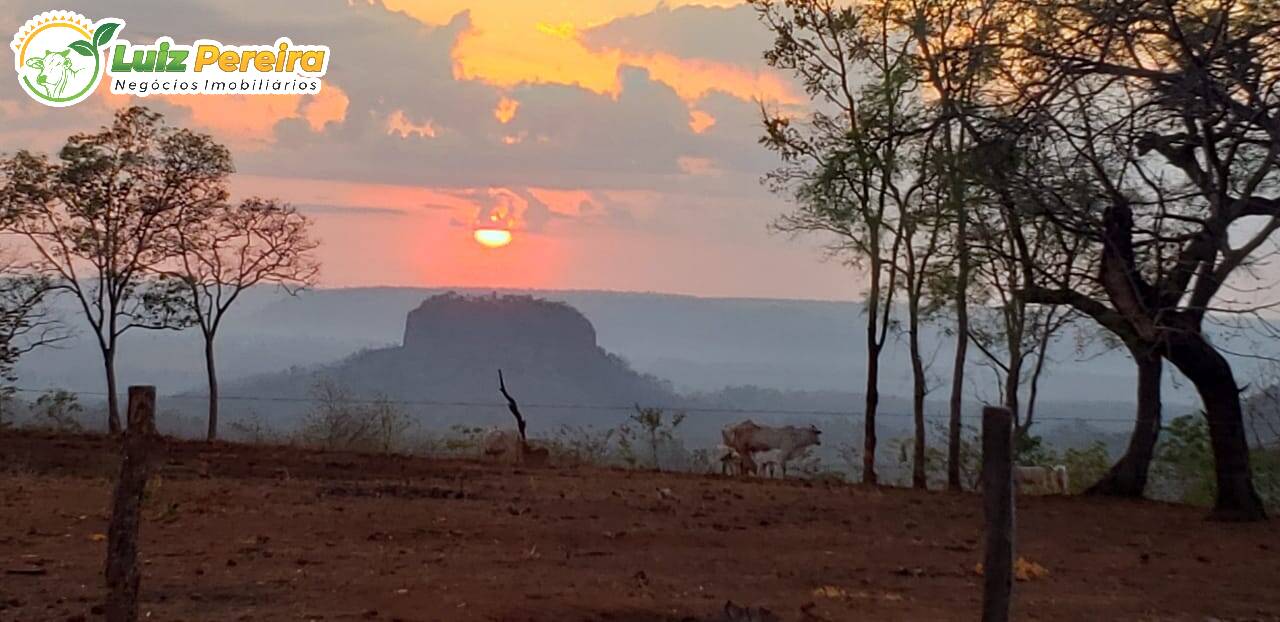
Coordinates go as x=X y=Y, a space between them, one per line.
x=493 y=238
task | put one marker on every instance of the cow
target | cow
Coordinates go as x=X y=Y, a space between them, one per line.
x=56 y=71
x=727 y=457
x=769 y=461
x=749 y=437
x=1043 y=479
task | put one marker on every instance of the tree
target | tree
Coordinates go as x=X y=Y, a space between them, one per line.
x=221 y=250
x=1012 y=334
x=1172 y=111
x=26 y=321
x=60 y=410
x=93 y=220
x=842 y=168
x=952 y=43
x=655 y=427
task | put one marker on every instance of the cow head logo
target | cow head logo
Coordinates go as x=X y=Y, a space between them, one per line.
x=60 y=56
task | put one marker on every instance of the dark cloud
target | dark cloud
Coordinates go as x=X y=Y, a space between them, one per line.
x=388 y=62
x=730 y=35
x=316 y=208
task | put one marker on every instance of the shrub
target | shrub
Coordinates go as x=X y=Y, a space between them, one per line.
x=59 y=410
x=1184 y=461
x=582 y=444
x=340 y=422
x=649 y=427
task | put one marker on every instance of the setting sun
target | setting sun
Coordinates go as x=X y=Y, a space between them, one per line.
x=493 y=238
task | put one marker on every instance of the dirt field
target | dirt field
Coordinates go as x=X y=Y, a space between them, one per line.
x=252 y=533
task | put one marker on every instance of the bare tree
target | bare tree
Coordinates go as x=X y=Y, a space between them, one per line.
x=92 y=219
x=220 y=251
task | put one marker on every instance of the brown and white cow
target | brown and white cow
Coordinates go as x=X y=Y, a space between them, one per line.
x=748 y=438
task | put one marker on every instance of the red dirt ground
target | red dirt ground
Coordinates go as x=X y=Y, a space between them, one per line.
x=237 y=532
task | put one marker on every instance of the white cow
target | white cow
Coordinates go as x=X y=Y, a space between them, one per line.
x=769 y=461
x=1041 y=478
x=56 y=71
x=749 y=438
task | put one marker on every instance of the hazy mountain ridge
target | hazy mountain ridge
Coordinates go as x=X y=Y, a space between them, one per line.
x=810 y=350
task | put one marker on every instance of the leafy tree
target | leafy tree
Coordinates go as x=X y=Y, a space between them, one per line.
x=1170 y=111
x=26 y=322
x=651 y=428
x=845 y=166
x=93 y=220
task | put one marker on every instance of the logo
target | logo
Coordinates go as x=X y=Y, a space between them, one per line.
x=59 y=56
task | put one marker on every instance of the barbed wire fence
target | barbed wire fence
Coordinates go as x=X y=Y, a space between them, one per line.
x=498 y=406
x=448 y=427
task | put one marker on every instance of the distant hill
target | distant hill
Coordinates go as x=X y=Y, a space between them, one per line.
x=447 y=364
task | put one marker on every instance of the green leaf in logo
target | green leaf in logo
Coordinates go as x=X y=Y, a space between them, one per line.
x=105 y=33
x=82 y=48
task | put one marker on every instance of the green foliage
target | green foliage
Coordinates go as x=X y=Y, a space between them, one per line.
x=1266 y=474
x=58 y=409
x=936 y=456
x=1184 y=459
x=1030 y=450
x=389 y=424
x=340 y=422
x=583 y=444
x=648 y=427
x=1086 y=466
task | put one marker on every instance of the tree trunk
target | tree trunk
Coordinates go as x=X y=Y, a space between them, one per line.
x=919 y=475
x=113 y=401
x=1012 y=382
x=1205 y=367
x=954 y=429
x=1128 y=478
x=213 y=388
x=873 y=399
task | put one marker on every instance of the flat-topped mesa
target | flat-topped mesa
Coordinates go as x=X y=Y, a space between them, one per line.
x=449 y=322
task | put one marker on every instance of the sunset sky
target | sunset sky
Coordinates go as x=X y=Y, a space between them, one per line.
x=618 y=137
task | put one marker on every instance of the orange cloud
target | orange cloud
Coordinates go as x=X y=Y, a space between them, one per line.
x=510 y=44
x=245 y=121
x=399 y=124
x=506 y=110
x=700 y=121
x=330 y=105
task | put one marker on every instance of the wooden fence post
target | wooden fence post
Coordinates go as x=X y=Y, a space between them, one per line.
x=997 y=503
x=126 y=507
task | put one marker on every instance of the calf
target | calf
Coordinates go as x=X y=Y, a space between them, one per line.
x=727 y=457
x=769 y=461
